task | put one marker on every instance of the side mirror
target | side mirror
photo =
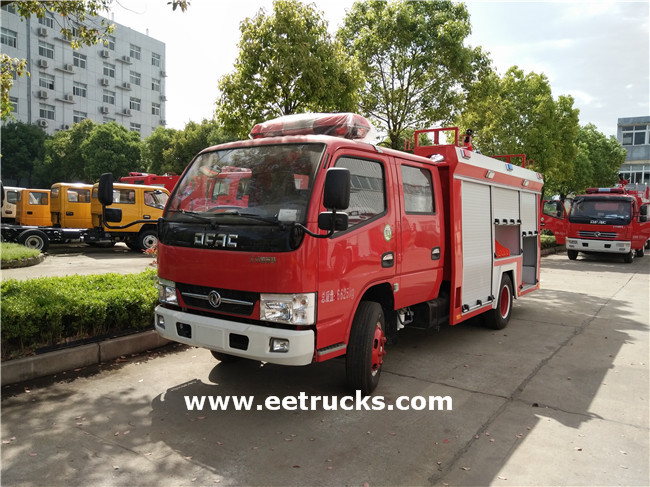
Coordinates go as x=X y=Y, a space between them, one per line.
x=113 y=215
x=337 y=189
x=330 y=221
x=105 y=190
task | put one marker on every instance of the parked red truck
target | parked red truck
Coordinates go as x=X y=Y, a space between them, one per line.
x=337 y=244
x=604 y=220
x=167 y=181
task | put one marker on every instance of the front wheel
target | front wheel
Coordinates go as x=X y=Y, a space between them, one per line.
x=366 y=348
x=147 y=239
x=573 y=254
x=499 y=317
x=629 y=257
x=224 y=357
x=640 y=252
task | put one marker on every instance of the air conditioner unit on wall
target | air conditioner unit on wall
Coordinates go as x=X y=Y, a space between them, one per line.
x=42 y=123
x=126 y=59
x=68 y=97
x=126 y=111
x=42 y=63
x=126 y=86
x=105 y=53
x=42 y=31
x=68 y=67
x=104 y=82
x=42 y=94
x=65 y=126
x=104 y=110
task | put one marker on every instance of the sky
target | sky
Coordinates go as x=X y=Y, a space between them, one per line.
x=597 y=51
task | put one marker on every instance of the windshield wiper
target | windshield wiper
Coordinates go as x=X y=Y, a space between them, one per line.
x=193 y=214
x=252 y=216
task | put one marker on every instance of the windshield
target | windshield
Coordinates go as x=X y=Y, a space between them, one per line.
x=601 y=210
x=269 y=183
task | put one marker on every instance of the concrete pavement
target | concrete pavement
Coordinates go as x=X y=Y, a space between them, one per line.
x=560 y=397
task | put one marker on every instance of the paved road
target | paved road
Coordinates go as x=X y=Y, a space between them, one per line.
x=560 y=397
x=79 y=258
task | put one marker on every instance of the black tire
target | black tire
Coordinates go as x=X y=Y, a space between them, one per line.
x=499 y=317
x=34 y=239
x=629 y=257
x=146 y=240
x=366 y=348
x=573 y=254
x=640 y=252
x=224 y=357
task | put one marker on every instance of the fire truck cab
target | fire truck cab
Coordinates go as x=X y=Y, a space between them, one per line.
x=336 y=244
x=604 y=220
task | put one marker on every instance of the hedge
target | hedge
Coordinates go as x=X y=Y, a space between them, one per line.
x=51 y=311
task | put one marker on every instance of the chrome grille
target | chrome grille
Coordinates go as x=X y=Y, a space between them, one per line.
x=230 y=301
x=600 y=235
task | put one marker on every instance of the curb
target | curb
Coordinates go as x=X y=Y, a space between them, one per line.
x=22 y=369
x=18 y=263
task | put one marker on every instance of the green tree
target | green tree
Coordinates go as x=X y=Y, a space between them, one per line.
x=414 y=61
x=78 y=22
x=516 y=114
x=287 y=63
x=153 y=149
x=110 y=148
x=185 y=144
x=64 y=161
x=23 y=147
x=597 y=163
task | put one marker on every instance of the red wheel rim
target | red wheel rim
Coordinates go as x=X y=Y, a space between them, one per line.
x=378 y=350
x=504 y=301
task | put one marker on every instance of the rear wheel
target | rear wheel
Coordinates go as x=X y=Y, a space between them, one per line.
x=34 y=239
x=573 y=254
x=499 y=317
x=366 y=348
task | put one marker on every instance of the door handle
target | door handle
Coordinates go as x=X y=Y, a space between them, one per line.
x=146 y=217
x=388 y=260
x=69 y=213
x=30 y=212
x=435 y=253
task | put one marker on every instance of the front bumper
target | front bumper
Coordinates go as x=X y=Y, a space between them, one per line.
x=250 y=341
x=611 y=246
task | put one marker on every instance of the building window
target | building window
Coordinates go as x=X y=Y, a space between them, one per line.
x=14 y=102
x=109 y=97
x=9 y=8
x=46 y=81
x=636 y=135
x=109 y=70
x=135 y=78
x=134 y=104
x=107 y=120
x=155 y=108
x=135 y=127
x=79 y=60
x=47 y=21
x=46 y=49
x=155 y=84
x=79 y=89
x=135 y=51
x=79 y=116
x=155 y=59
x=46 y=111
x=8 y=37
x=110 y=42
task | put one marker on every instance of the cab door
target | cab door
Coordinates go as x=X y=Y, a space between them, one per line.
x=421 y=237
x=364 y=255
x=554 y=219
x=75 y=208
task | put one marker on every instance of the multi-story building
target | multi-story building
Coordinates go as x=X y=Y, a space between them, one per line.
x=634 y=135
x=122 y=80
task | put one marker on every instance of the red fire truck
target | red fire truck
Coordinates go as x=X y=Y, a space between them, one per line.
x=337 y=244
x=167 y=181
x=604 y=220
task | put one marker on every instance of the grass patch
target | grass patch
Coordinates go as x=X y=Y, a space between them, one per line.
x=14 y=251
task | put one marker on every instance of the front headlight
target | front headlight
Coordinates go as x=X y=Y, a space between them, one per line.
x=292 y=309
x=167 y=292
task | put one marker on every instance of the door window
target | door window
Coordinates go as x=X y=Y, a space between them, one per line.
x=368 y=189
